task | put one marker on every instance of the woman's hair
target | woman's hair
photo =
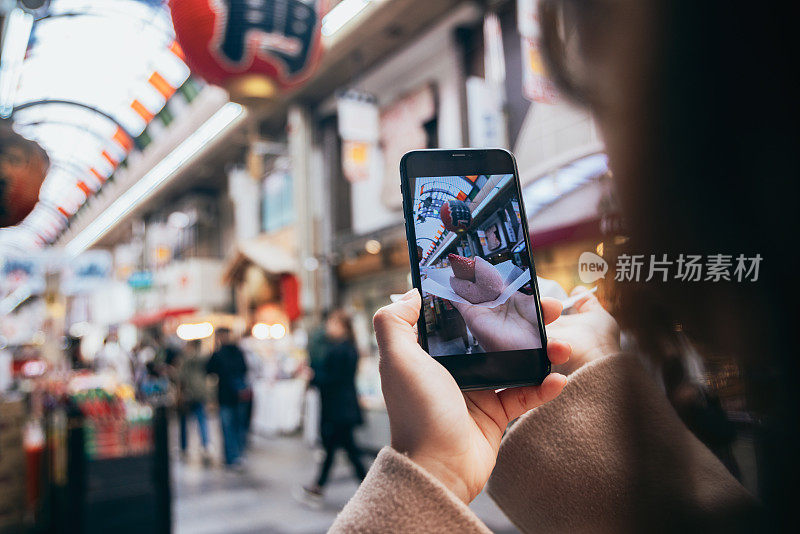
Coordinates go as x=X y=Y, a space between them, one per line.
x=343 y=318
x=713 y=151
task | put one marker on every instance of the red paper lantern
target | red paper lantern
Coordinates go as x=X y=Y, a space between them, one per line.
x=455 y=215
x=227 y=41
x=23 y=166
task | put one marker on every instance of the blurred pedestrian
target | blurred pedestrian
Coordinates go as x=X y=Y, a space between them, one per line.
x=318 y=344
x=341 y=413
x=317 y=347
x=155 y=388
x=192 y=394
x=143 y=353
x=113 y=358
x=255 y=372
x=233 y=393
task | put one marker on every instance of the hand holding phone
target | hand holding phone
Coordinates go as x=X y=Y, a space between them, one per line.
x=453 y=435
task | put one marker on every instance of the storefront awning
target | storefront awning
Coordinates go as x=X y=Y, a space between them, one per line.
x=260 y=251
x=144 y=320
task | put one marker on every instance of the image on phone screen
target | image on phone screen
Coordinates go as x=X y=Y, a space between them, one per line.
x=474 y=265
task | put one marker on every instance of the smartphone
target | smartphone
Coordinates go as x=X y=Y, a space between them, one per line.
x=470 y=258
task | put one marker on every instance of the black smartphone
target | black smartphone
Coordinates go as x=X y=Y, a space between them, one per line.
x=470 y=259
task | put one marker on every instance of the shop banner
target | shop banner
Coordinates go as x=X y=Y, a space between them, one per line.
x=356 y=156
x=359 y=128
x=403 y=129
x=536 y=86
x=19 y=271
x=358 y=118
x=87 y=272
x=485 y=116
x=528 y=18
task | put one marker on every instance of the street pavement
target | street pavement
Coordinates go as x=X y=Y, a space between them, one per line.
x=212 y=499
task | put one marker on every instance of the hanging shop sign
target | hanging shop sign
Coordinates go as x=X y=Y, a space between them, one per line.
x=87 y=272
x=253 y=47
x=290 y=296
x=536 y=86
x=485 y=115
x=402 y=126
x=28 y=271
x=359 y=128
x=140 y=280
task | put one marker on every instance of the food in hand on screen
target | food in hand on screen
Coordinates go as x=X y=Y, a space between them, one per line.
x=473 y=262
x=463 y=268
x=487 y=286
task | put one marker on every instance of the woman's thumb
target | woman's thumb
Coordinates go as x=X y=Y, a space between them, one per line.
x=397 y=319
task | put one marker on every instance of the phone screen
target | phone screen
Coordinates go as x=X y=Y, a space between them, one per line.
x=474 y=265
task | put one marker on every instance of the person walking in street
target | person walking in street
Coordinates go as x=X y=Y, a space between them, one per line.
x=318 y=344
x=113 y=358
x=341 y=413
x=190 y=377
x=228 y=364
x=317 y=349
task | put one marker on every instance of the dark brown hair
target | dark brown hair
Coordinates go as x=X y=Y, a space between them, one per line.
x=346 y=321
x=711 y=169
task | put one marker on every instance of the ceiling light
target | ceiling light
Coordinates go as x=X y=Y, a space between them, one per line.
x=192 y=331
x=341 y=14
x=17 y=297
x=277 y=331
x=229 y=115
x=261 y=331
x=179 y=219
x=16 y=35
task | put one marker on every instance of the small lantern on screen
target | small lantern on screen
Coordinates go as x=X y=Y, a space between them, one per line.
x=253 y=49
x=455 y=216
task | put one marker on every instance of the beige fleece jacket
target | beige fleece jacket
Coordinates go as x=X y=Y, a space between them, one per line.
x=608 y=455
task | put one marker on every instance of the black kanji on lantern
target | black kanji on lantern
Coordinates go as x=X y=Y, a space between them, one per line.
x=286 y=28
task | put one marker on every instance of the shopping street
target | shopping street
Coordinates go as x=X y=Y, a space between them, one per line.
x=204 y=203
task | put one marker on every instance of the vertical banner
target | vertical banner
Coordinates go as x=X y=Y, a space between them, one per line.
x=402 y=128
x=359 y=129
x=485 y=117
x=536 y=86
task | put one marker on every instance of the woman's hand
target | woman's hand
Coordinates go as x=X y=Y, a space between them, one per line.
x=513 y=325
x=454 y=436
x=591 y=332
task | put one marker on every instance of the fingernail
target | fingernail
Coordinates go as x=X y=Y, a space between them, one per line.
x=408 y=295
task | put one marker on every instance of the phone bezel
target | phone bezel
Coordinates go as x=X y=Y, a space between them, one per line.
x=490 y=370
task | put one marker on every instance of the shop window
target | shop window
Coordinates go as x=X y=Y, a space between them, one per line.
x=276 y=201
x=432 y=132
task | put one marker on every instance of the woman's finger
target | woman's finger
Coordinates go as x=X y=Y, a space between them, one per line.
x=577 y=290
x=588 y=302
x=551 y=309
x=517 y=401
x=558 y=352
